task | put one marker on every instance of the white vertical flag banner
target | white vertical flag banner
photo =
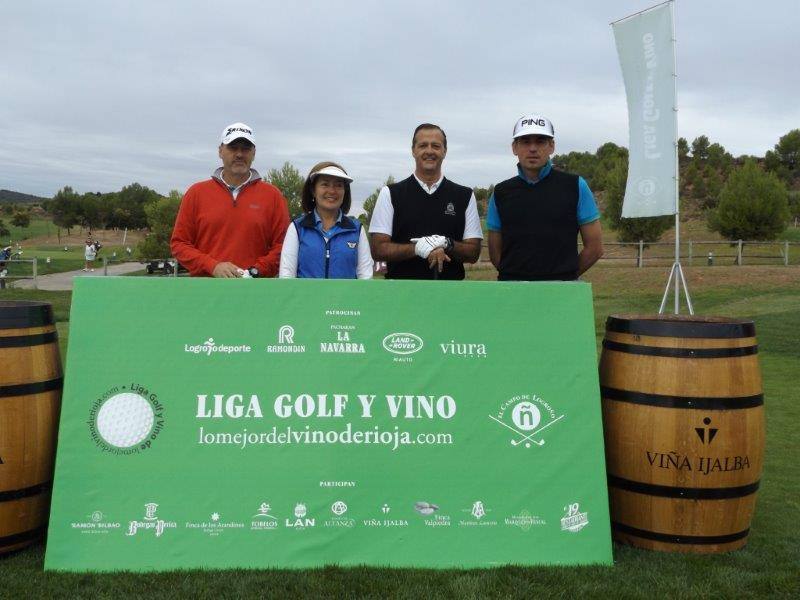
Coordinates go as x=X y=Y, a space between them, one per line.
x=644 y=44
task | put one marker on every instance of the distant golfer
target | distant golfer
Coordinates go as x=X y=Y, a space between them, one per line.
x=233 y=224
x=535 y=217
x=426 y=226
x=89 y=254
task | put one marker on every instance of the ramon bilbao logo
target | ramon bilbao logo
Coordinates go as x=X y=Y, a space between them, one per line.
x=527 y=416
x=126 y=419
x=96 y=522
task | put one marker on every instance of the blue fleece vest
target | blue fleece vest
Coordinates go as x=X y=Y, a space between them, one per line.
x=334 y=258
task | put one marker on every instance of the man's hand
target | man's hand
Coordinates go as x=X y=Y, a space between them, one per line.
x=226 y=270
x=437 y=258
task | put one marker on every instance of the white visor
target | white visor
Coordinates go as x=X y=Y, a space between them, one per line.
x=333 y=172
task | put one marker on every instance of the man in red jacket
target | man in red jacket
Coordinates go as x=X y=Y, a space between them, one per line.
x=233 y=224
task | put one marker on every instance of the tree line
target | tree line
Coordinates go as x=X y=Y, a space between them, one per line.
x=743 y=197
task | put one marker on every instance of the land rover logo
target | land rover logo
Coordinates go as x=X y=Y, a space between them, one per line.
x=402 y=343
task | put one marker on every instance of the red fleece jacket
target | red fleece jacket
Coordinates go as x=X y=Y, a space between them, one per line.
x=212 y=228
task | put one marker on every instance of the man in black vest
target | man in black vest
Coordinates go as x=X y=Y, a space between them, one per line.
x=426 y=226
x=534 y=218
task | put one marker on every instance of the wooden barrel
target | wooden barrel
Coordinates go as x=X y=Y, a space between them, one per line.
x=30 y=402
x=683 y=415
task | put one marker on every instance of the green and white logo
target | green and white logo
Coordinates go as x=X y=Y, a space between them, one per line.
x=402 y=343
x=527 y=415
x=126 y=419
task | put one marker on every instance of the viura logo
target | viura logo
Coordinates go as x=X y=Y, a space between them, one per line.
x=468 y=350
x=402 y=343
x=210 y=347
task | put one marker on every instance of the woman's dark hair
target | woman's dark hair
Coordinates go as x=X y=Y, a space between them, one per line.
x=307 y=196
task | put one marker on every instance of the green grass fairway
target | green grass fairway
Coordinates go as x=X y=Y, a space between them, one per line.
x=62 y=260
x=39 y=227
x=768 y=567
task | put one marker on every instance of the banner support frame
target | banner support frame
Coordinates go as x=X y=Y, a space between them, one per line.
x=677 y=271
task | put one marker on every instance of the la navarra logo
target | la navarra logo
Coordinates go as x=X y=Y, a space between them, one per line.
x=126 y=419
x=527 y=416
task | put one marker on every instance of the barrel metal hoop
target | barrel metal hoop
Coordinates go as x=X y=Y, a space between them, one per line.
x=679 y=539
x=668 y=491
x=27 y=492
x=16 y=316
x=23 y=536
x=683 y=329
x=698 y=403
x=24 y=341
x=35 y=387
x=681 y=352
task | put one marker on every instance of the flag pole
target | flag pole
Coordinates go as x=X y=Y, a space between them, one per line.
x=676 y=272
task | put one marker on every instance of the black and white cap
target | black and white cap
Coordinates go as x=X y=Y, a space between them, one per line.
x=533 y=125
x=236 y=131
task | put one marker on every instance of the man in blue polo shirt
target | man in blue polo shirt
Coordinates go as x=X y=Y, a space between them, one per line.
x=534 y=218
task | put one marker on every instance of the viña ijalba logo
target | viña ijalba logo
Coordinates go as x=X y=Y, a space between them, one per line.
x=126 y=419
x=210 y=347
x=150 y=521
x=527 y=416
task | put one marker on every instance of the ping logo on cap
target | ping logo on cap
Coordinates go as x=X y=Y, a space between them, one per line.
x=540 y=122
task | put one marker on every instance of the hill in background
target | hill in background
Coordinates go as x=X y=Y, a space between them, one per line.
x=20 y=198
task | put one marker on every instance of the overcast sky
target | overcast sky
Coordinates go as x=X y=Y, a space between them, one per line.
x=98 y=95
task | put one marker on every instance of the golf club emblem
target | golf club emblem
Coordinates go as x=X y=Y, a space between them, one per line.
x=527 y=416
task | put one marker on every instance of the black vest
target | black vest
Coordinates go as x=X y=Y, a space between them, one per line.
x=539 y=227
x=418 y=213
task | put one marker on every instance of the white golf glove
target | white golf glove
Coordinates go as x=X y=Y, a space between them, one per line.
x=244 y=274
x=425 y=245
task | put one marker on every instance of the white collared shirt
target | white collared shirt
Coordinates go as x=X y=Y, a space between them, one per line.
x=433 y=187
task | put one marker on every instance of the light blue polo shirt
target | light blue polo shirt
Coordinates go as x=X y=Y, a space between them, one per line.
x=587 y=207
x=337 y=227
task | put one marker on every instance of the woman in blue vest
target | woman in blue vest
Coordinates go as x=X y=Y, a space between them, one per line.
x=324 y=242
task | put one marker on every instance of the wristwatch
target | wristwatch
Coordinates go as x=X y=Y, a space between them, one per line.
x=253 y=272
x=448 y=244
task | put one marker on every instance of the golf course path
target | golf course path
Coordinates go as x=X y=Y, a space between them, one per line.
x=63 y=281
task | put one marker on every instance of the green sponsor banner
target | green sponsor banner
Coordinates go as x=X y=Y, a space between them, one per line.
x=296 y=423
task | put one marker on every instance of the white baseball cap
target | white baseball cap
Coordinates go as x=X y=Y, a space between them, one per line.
x=236 y=131
x=333 y=172
x=533 y=125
